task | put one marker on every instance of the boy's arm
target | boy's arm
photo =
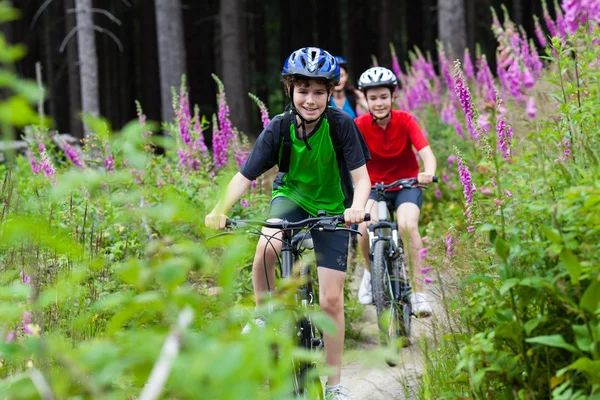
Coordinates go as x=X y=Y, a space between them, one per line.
x=235 y=190
x=429 y=165
x=362 y=187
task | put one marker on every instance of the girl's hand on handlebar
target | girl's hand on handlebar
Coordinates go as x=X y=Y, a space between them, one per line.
x=353 y=216
x=215 y=220
x=424 y=178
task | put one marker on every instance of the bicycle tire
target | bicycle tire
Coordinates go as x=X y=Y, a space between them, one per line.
x=306 y=384
x=393 y=318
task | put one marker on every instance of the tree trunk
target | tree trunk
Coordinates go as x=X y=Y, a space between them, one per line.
x=517 y=11
x=385 y=33
x=88 y=59
x=76 y=128
x=171 y=49
x=234 y=62
x=452 y=26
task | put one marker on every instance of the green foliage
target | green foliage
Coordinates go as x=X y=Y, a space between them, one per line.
x=525 y=320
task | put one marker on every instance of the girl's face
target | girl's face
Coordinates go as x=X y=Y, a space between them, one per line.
x=311 y=100
x=343 y=79
x=379 y=101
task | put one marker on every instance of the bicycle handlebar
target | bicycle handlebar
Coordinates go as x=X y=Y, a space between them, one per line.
x=326 y=222
x=409 y=183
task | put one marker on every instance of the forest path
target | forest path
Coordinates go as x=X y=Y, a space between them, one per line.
x=364 y=371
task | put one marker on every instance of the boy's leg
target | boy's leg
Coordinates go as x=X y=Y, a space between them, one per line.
x=331 y=250
x=264 y=261
x=331 y=298
x=408 y=227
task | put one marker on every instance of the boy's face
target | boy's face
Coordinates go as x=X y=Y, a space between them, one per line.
x=310 y=99
x=379 y=100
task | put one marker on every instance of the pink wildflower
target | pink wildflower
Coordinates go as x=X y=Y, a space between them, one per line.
x=530 y=108
x=486 y=190
x=72 y=155
x=36 y=168
x=10 y=337
x=244 y=203
x=464 y=96
x=109 y=163
x=423 y=253
x=468 y=65
x=451 y=159
x=449 y=245
x=541 y=37
x=438 y=193
x=428 y=281
x=470 y=229
x=508 y=193
x=425 y=270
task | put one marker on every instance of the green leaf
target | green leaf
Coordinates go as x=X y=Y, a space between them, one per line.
x=533 y=323
x=591 y=297
x=553 y=341
x=588 y=367
x=572 y=264
x=322 y=320
x=502 y=249
x=552 y=235
x=508 y=284
x=582 y=338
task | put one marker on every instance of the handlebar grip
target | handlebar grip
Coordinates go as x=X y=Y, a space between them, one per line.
x=435 y=179
x=367 y=217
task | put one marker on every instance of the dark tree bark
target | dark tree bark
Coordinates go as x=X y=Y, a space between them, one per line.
x=88 y=59
x=74 y=83
x=452 y=25
x=385 y=33
x=471 y=16
x=234 y=62
x=171 y=51
x=517 y=12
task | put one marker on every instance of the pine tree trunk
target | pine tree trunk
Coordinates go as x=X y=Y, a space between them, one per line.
x=171 y=48
x=234 y=61
x=88 y=59
x=452 y=26
x=385 y=33
x=76 y=128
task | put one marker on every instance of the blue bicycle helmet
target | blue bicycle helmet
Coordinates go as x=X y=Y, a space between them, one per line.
x=312 y=62
x=342 y=62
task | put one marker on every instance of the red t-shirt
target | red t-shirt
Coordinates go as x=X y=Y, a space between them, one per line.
x=392 y=156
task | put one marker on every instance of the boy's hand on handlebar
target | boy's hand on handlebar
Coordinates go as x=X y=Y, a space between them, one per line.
x=424 y=178
x=353 y=216
x=215 y=220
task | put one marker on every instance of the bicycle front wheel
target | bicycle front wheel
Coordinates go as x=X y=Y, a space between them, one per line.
x=393 y=312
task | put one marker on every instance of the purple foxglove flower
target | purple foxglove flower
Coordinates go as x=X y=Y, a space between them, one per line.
x=560 y=21
x=467 y=182
x=498 y=202
x=27 y=317
x=508 y=193
x=244 y=203
x=109 y=163
x=539 y=33
x=468 y=65
x=395 y=64
x=449 y=245
x=483 y=121
x=528 y=80
x=451 y=160
x=486 y=190
x=530 y=108
x=470 y=229
x=184 y=117
x=72 y=155
x=47 y=167
x=26 y=279
x=428 y=281
x=548 y=19
x=464 y=96
x=423 y=253
x=27 y=329
x=41 y=147
x=438 y=193
x=425 y=270
x=36 y=168
x=10 y=337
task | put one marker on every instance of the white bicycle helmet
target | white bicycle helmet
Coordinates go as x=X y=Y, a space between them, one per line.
x=376 y=77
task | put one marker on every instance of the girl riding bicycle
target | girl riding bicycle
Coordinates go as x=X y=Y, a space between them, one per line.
x=391 y=135
x=314 y=179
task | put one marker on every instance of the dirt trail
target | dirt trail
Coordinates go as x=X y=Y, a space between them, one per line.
x=365 y=372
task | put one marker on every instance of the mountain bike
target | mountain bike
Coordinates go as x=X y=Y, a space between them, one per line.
x=390 y=277
x=296 y=239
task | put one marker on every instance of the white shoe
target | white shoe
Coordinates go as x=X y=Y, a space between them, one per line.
x=258 y=322
x=365 y=291
x=337 y=393
x=420 y=305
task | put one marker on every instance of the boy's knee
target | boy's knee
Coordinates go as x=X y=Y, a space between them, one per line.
x=331 y=303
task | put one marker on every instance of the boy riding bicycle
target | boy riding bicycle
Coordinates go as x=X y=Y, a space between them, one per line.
x=391 y=135
x=313 y=179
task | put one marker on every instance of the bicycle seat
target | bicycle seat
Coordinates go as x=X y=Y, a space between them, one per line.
x=302 y=240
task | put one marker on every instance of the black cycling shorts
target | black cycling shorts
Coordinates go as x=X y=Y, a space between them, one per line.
x=398 y=197
x=331 y=248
